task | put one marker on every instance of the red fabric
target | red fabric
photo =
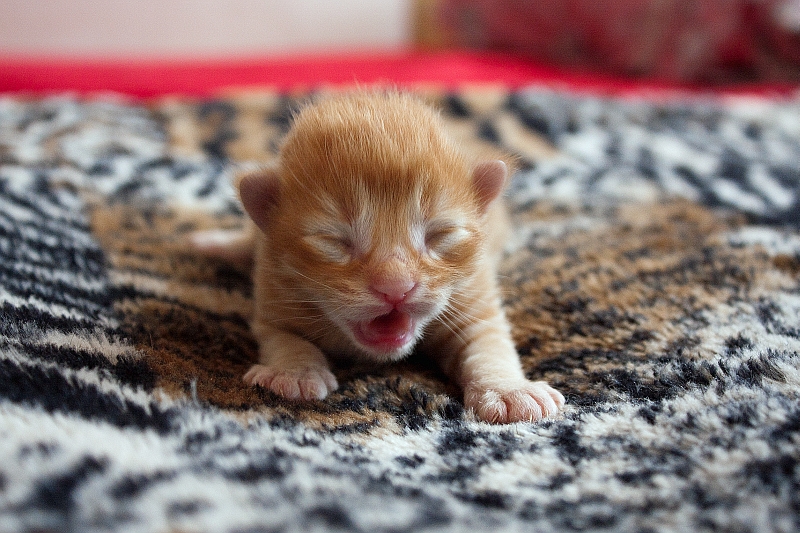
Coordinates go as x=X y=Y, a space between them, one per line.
x=150 y=78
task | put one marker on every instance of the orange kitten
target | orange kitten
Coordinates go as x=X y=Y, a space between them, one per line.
x=378 y=236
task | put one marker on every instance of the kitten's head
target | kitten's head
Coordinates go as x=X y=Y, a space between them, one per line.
x=375 y=215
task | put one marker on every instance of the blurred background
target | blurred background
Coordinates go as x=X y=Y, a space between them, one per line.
x=200 y=28
x=679 y=40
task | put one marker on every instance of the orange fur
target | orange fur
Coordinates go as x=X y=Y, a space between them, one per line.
x=378 y=235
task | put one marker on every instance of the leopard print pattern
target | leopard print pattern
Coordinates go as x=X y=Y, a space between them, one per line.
x=653 y=276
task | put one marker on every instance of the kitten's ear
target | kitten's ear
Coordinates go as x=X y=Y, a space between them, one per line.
x=489 y=180
x=259 y=191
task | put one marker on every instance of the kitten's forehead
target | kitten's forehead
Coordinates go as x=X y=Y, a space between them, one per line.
x=361 y=202
x=387 y=142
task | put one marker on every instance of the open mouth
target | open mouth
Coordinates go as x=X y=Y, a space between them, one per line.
x=387 y=333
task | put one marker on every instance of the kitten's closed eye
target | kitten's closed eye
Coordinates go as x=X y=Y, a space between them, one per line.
x=332 y=248
x=332 y=240
x=442 y=237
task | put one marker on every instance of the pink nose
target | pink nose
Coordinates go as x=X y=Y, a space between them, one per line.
x=393 y=291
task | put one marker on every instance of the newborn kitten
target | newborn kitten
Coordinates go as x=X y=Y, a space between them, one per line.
x=378 y=236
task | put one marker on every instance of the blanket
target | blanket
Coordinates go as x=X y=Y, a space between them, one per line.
x=653 y=277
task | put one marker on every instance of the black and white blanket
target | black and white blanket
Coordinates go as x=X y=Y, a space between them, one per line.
x=653 y=277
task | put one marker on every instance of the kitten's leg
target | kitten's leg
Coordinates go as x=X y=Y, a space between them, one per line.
x=290 y=366
x=479 y=354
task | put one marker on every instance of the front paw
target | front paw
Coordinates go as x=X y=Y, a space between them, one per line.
x=306 y=383
x=524 y=401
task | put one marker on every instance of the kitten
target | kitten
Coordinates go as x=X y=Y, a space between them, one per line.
x=376 y=235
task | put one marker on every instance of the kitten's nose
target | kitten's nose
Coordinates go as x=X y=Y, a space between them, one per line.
x=393 y=291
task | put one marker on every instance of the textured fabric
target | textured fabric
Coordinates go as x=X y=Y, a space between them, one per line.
x=653 y=277
x=712 y=40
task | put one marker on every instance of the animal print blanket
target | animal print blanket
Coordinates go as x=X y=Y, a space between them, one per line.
x=653 y=277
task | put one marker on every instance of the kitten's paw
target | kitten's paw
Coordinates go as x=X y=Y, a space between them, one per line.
x=308 y=383
x=525 y=401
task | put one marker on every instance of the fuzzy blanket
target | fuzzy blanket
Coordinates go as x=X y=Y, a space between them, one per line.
x=653 y=277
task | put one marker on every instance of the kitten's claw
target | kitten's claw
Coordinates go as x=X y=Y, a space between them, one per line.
x=309 y=383
x=521 y=402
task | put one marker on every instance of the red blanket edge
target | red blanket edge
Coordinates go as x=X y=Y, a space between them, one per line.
x=148 y=78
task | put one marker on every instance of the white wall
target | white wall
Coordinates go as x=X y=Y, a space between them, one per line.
x=197 y=28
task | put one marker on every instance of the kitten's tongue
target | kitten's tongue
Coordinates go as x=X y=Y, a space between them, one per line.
x=388 y=332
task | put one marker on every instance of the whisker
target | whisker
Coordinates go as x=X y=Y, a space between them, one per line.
x=309 y=278
x=311 y=319
x=463 y=309
x=445 y=320
x=322 y=332
x=469 y=317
